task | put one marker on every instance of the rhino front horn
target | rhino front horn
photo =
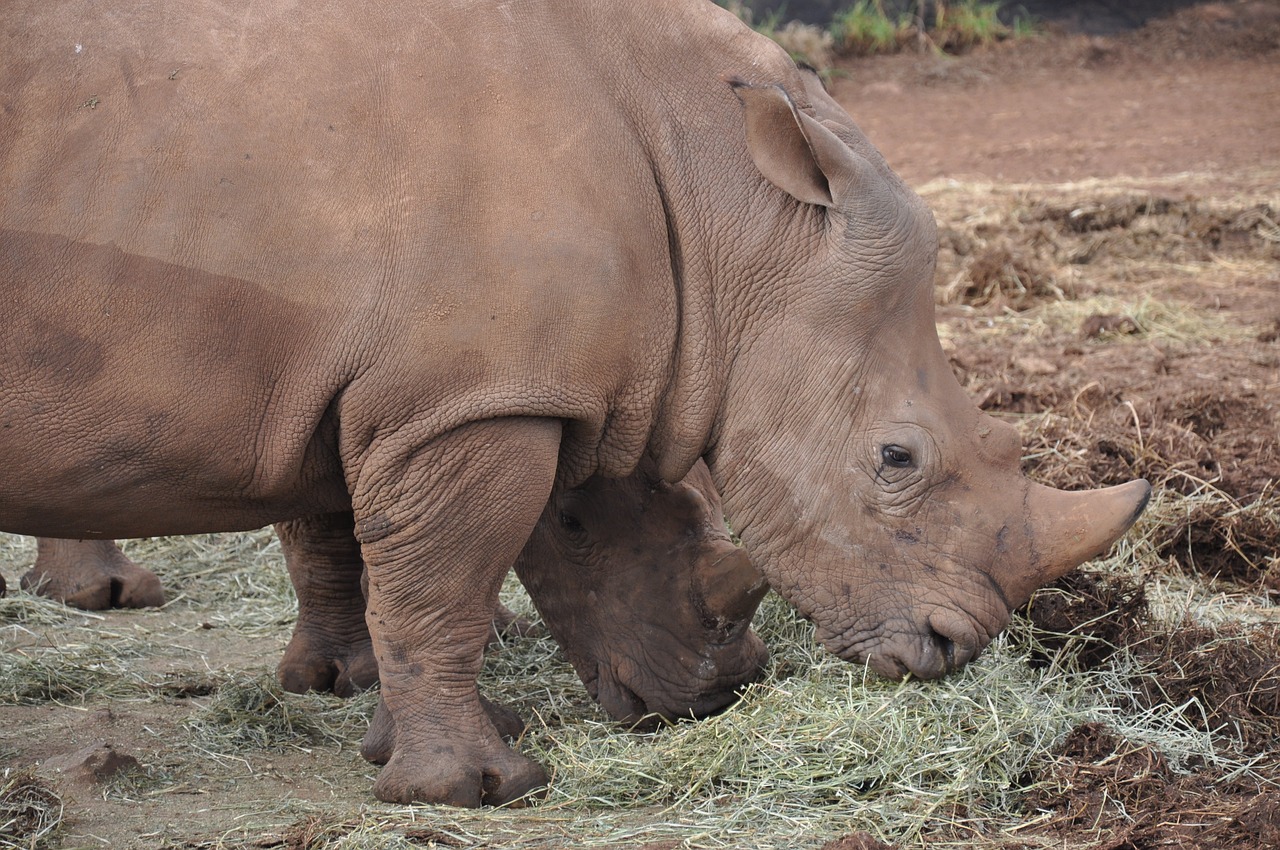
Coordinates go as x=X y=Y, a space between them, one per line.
x=728 y=590
x=1070 y=527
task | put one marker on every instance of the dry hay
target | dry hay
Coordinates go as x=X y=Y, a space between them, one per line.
x=1221 y=538
x=259 y=714
x=1152 y=227
x=1035 y=245
x=857 y=841
x=30 y=811
x=1229 y=673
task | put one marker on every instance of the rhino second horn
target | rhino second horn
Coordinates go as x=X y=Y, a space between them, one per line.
x=728 y=590
x=1070 y=527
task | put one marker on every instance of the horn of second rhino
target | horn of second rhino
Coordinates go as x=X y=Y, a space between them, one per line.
x=728 y=590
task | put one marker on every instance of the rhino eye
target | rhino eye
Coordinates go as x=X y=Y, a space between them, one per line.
x=896 y=456
x=570 y=523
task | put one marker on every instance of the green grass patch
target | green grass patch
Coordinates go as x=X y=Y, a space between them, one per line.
x=864 y=29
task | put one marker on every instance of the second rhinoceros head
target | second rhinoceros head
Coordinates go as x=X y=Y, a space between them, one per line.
x=642 y=587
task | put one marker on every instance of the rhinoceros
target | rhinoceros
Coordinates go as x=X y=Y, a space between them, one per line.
x=421 y=261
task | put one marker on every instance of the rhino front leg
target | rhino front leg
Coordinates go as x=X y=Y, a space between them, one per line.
x=92 y=575
x=330 y=649
x=439 y=527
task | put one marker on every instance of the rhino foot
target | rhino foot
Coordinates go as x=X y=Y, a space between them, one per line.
x=379 y=742
x=450 y=773
x=343 y=669
x=92 y=575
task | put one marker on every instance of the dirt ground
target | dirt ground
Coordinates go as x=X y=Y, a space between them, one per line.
x=1094 y=196
x=1193 y=93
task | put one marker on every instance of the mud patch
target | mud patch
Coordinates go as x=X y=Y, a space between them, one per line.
x=1228 y=541
x=1091 y=612
x=1027 y=254
x=1128 y=227
x=1180 y=415
x=1233 y=674
x=1002 y=276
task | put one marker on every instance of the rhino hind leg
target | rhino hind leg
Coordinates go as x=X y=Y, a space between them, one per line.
x=439 y=529
x=330 y=649
x=92 y=575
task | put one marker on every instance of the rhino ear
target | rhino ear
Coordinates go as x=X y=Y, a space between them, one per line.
x=793 y=150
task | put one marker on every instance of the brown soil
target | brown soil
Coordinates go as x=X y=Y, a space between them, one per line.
x=1195 y=92
x=1125 y=796
x=1084 y=618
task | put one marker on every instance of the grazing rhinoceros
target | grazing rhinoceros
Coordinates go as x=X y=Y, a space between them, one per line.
x=637 y=580
x=418 y=261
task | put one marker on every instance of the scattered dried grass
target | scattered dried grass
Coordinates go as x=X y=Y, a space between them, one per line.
x=30 y=812
x=68 y=673
x=259 y=714
x=1124 y=794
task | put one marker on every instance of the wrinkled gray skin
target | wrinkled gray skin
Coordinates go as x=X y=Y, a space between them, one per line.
x=419 y=261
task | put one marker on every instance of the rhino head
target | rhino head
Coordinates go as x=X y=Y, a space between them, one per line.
x=871 y=491
x=642 y=587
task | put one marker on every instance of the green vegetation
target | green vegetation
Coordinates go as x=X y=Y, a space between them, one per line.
x=960 y=26
x=865 y=28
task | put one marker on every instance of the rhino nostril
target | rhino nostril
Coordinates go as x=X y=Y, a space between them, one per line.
x=946 y=647
x=956 y=641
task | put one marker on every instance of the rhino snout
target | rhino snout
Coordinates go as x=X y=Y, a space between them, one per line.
x=941 y=642
x=640 y=695
x=616 y=698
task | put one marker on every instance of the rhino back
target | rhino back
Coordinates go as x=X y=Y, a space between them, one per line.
x=241 y=224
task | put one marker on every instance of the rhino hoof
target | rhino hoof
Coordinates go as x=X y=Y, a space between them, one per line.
x=379 y=743
x=127 y=586
x=496 y=778
x=92 y=575
x=344 y=673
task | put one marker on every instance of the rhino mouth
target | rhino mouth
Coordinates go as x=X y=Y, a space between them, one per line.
x=626 y=705
x=621 y=702
x=940 y=644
